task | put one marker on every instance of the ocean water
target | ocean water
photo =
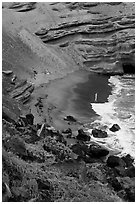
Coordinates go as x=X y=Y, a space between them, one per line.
x=119 y=109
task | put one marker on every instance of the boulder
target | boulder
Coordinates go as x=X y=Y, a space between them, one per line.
x=114 y=128
x=38 y=126
x=120 y=171
x=97 y=151
x=115 y=183
x=128 y=160
x=114 y=161
x=76 y=148
x=30 y=118
x=130 y=172
x=82 y=136
x=99 y=133
x=70 y=118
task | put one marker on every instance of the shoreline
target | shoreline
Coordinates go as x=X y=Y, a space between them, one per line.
x=74 y=95
x=63 y=100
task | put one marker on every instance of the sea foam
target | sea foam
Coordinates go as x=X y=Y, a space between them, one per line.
x=118 y=110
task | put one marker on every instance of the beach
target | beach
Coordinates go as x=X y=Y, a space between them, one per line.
x=73 y=94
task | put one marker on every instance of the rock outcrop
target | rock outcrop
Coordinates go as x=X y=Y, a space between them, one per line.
x=22 y=92
x=108 y=40
x=23 y=7
x=99 y=133
x=82 y=136
x=115 y=128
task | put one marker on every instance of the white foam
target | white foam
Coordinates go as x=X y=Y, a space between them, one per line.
x=122 y=140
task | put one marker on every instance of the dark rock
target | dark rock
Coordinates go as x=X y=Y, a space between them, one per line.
x=77 y=149
x=128 y=160
x=99 y=133
x=44 y=185
x=120 y=170
x=115 y=128
x=114 y=161
x=130 y=172
x=130 y=194
x=30 y=118
x=97 y=151
x=90 y=159
x=115 y=183
x=82 y=136
x=70 y=118
x=129 y=186
x=128 y=68
x=38 y=126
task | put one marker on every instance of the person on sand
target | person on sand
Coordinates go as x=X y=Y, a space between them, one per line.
x=96 y=95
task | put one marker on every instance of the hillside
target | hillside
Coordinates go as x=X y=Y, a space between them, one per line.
x=42 y=45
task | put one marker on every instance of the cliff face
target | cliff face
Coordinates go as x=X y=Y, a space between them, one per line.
x=45 y=41
x=100 y=35
x=42 y=42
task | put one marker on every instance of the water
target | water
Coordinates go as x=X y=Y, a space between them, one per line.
x=85 y=94
x=119 y=109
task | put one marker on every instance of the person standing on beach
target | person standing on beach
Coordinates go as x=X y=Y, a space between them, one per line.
x=96 y=95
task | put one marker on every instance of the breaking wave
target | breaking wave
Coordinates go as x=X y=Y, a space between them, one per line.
x=119 y=109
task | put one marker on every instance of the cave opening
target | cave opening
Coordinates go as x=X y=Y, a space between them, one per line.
x=128 y=68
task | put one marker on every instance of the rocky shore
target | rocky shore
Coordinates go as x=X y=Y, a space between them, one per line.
x=43 y=43
x=37 y=159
